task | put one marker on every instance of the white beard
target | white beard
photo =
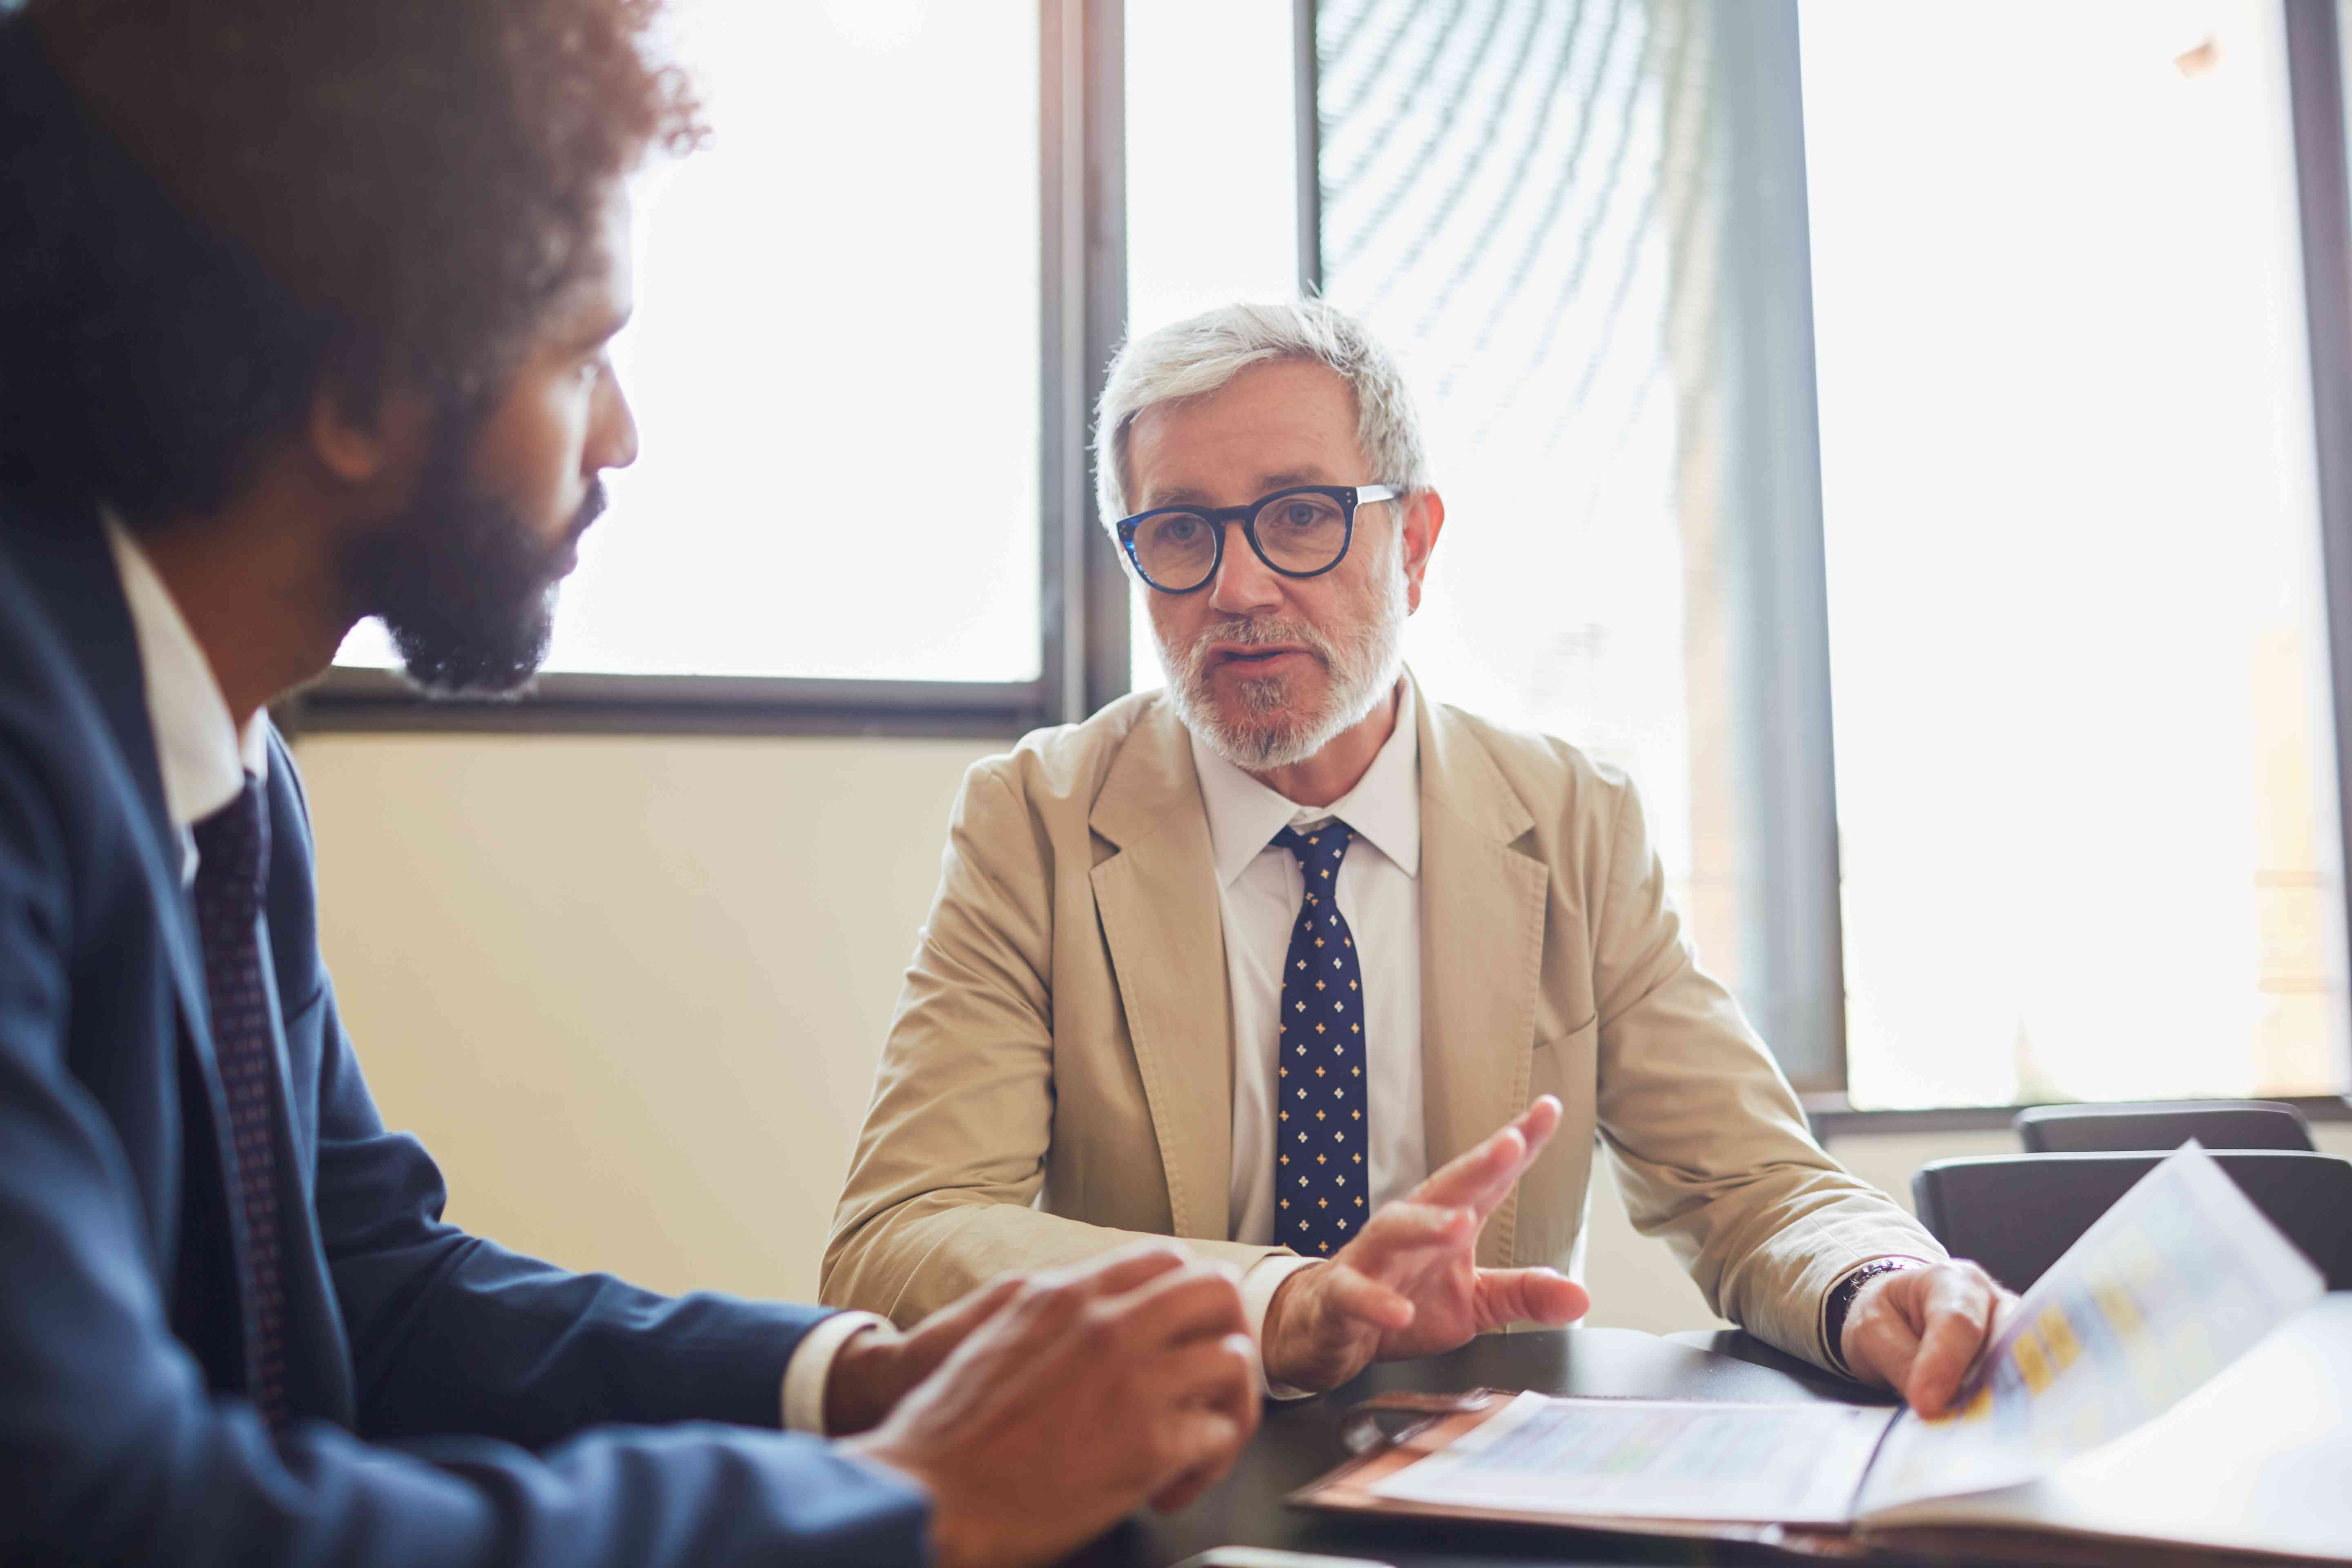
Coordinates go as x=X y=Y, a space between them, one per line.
x=1362 y=666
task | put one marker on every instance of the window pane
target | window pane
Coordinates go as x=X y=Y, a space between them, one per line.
x=835 y=362
x=1212 y=173
x=1521 y=199
x=2084 y=766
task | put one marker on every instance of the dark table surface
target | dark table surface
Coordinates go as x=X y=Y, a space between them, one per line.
x=1300 y=1441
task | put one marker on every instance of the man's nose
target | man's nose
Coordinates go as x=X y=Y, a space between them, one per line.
x=1244 y=583
x=615 y=445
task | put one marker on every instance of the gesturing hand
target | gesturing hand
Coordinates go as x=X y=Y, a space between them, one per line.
x=1407 y=1285
x=1918 y=1330
x=1086 y=1392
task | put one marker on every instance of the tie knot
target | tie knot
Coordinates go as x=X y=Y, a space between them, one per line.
x=1318 y=849
x=233 y=852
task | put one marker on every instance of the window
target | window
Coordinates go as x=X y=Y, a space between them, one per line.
x=1884 y=431
x=1528 y=203
x=1985 y=724
x=2078 y=650
x=1212 y=192
x=836 y=360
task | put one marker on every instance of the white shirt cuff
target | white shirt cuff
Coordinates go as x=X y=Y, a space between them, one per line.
x=811 y=1364
x=1259 y=1282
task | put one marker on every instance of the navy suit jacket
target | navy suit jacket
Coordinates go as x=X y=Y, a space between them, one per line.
x=455 y=1403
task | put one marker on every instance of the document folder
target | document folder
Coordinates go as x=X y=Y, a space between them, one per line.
x=2139 y=1393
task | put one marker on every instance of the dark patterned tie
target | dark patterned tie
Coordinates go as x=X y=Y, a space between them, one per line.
x=1320 y=1176
x=232 y=867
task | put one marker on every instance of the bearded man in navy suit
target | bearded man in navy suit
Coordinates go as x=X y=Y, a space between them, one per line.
x=304 y=308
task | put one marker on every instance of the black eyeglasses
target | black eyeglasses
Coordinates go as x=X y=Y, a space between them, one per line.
x=1303 y=532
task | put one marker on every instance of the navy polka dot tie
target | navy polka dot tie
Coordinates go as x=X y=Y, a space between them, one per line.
x=232 y=868
x=1320 y=1175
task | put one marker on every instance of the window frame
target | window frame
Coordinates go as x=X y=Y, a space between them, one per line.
x=1084 y=602
x=1803 y=798
x=1083 y=598
x=1775 y=454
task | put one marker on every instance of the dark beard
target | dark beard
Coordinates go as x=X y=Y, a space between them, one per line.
x=467 y=591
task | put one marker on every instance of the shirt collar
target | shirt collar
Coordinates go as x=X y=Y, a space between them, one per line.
x=203 y=756
x=1384 y=807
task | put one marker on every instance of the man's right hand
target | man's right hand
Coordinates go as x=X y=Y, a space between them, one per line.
x=1093 y=1390
x=1409 y=1284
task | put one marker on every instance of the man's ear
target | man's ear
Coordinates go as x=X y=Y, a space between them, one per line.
x=369 y=439
x=1424 y=518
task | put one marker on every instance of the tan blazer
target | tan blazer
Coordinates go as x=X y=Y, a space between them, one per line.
x=1059 y=1076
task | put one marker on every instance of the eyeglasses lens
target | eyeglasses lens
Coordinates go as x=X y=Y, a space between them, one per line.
x=1302 y=532
x=1176 y=549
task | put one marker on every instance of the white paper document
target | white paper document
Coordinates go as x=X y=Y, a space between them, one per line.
x=2182 y=1278
x=2179 y=1280
x=1654 y=1459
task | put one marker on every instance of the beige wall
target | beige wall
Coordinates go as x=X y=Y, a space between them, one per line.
x=630 y=990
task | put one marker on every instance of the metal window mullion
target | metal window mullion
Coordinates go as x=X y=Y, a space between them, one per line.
x=1060 y=318
x=1307 y=65
x=2315 y=101
x=1108 y=655
x=1777 y=481
x=1083 y=309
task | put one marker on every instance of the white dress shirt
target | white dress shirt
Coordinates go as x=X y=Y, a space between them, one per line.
x=1259 y=889
x=205 y=758
x=203 y=755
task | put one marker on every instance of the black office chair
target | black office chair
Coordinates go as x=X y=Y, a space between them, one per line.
x=2015 y=1214
x=2162 y=1124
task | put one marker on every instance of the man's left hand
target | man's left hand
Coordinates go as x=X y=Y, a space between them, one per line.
x=1918 y=1330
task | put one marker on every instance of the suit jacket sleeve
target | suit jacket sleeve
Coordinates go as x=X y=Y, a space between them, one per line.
x=112 y=1448
x=938 y=1197
x=1710 y=1146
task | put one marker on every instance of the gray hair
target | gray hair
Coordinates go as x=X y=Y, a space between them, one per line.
x=1201 y=353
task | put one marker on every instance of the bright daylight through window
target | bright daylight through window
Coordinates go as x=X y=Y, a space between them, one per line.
x=1524 y=201
x=2076 y=681
x=1211 y=199
x=2084 y=783
x=835 y=363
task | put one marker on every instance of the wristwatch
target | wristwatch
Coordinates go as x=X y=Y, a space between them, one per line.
x=1841 y=1298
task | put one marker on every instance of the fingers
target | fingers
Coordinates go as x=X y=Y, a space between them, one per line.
x=1479 y=1178
x=1220 y=1374
x=1406 y=1228
x=1219 y=1378
x=1527 y=1296
x=1357 y=1297
x=1197 y=1448
x=1201 y=1301
x=1880 y=1343
x=1046 y=1306
x=1122 y=1270
x=1184 y=1490
x=1956 y=1313
x=959 y=1317
x=1539 y=1122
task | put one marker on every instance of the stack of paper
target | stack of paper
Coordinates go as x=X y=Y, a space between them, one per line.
x=2180 y=1281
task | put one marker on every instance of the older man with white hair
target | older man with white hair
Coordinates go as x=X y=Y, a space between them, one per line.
x=1330 y=980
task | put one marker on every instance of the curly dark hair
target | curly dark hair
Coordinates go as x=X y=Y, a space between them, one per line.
x=206 y=207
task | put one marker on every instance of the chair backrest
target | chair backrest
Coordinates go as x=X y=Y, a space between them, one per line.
x=2163 y=1125
x=2016 y=1213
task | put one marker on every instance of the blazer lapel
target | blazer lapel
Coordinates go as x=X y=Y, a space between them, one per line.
x=1157 y=902
x=1482 y=922
x=75 y=569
